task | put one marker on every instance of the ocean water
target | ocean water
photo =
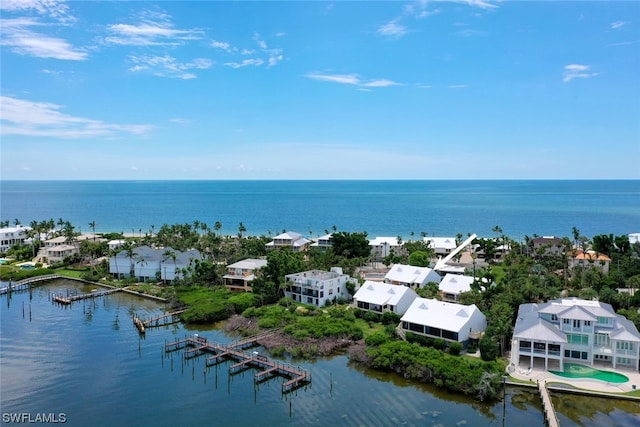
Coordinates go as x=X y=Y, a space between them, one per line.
x=382 y=208
x=88 y=362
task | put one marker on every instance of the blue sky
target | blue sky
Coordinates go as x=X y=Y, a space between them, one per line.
x=466 y=89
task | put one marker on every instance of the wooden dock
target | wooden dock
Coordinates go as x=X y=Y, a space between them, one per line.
x=25 y=284
x=66 y=300
x=550 y=417
x=196 y=346
x=163 y=319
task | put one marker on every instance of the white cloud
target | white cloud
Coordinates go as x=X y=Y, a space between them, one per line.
x=457 y=86
x=474 y=3
x=261 y=43
x=351 y=79
x=21 y=39
x=392 y=29
x=221 y=45
x=577 y=71
x=245 y=63
x=168 y=66
x=617 y=25
x=153 y=29
x=29 y=118
x=181 y=121
x=50 y=8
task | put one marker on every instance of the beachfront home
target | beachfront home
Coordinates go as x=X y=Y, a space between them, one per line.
x=11 y=236
x=382 y=247
x=116 y=244
x=316 y=287
x=411 y=276
x=441 y=246
x=548 y=245
x=574 y=330
x=452 y=285
x=382 y=297
x=146 y=263
x=323 y=242
x=240 y=274
x=589 y=259
x=449 y=321
x=289 y=239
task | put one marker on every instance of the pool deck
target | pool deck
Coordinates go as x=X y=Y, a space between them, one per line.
x=584 y=384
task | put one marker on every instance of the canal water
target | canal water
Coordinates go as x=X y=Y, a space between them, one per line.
x=87 y=363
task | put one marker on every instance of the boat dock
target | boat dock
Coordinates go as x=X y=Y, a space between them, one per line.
x=163 y=319
x=24 y=284
x=196 y=346
x=550 y=416
x=66 y=300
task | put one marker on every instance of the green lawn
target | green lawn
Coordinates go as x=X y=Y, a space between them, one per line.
x=368 y=330
x=70 y=273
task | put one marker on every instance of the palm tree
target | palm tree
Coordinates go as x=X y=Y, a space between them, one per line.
x=92 y=225
x=217 y=226
x=241 y=230
x=171 y=254
x=16 y=222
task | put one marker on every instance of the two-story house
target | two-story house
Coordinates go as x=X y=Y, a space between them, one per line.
x=411 y=276
x=11 y=236
x=240 y=274
x=316 y=287
x=384 y=297
x=589 y=259
x=574 y=330
x=290 y=239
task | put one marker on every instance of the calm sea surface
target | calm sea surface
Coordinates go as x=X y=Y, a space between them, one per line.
x=382 y=208
x=89 y=363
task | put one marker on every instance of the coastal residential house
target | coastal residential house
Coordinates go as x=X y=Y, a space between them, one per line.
x=323 y=242
x=383 y=246
x=115 y=244
x=589 y=259
x=452 y=285
x=289 y=239
x=11 y=236
x=574 y=330
x=449 y=321
x=381 y=297
x=634 y=238
x=240 y=274
x=316 y=287
x=548 y=245
x=146 y=263
x=442 y=246
x=411 y=276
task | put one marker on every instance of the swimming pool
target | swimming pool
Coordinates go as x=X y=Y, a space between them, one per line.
x=575 y=370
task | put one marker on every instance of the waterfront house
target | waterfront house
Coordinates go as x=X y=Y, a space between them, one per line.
x=115 y=244
x=449 y=321
x=441 y=246
x=452 y=285
x=382 y=247
x=548 y=245
x=589 y=259
x=316 y=287
x=146 y=263
x=240 y=274
x=574 y=330
x=289 y=239
x=12 y=236
x=323 y=242
x=411 y=276
x=382 y=297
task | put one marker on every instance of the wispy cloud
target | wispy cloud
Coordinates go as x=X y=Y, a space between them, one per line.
x=617 y=25
x=392 y=29
x=19 y=36
x=475 y=3
x=245 y=63
x=457 y=86
x=44 y=119
x=351 y=79
x=152 y=29
x=168 y=66
x=261 y=55
x=54 y=9
x=221 y=45
x=181 y=121
x=577 y=71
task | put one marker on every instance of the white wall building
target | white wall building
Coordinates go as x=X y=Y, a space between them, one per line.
x=411 y=276
x=316 y=287
x=150 y=263
x=240 y=274
x=290 y=239
x=452 y=285
x=10 y=236
x=383 y=246
x=382 y=297
x=442 y=246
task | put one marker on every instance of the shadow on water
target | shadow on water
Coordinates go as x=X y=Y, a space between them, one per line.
x=590 y=411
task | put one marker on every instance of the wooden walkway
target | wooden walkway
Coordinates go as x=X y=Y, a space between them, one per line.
x=550 y=416
x=25 y=284
x=196 y=346
x=163 y=319
x=66 y=300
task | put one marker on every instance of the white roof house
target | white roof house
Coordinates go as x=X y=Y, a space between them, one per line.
x=383 y=246
x=572 y=329
x=411 y=276
x=323 y=242
x=240 y=274
x=382 y=297
x=439 y=319
x=317 y=287
x=634 y=238
x=289 y=239
x=452 y=285
x=10 y=236
x=441 y=245
x=147 y=263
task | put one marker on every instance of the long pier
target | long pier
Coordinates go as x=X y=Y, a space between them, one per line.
x=163 y=319
x=196 y=346
x=550 y=417
x=66 y=300
x=24 y=284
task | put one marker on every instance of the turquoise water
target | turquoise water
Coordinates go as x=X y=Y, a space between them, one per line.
x=575 y=370
x=388 y=208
